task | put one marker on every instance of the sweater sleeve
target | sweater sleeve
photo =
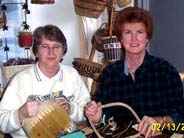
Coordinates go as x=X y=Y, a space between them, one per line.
x=81 y=98
x=8 y=108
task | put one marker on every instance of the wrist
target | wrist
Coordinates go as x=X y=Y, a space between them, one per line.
x=19 y=118
x=20 y=115
x=166 y=120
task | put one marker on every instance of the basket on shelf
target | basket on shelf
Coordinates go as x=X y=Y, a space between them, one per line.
x=2 y=19
x=10 y=71
x=25 y=39
x=42 y=1
x=123 y=3
x=89 y=8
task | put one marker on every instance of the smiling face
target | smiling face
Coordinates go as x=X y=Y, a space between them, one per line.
x=134 y=38
x=49 y=54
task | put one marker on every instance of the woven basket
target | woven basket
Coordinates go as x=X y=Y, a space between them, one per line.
x=122 y=3
x=87 y=68
x=89 y=8
x=42 y=1
x=2 y=19
x=10 y=71
x=48 y=123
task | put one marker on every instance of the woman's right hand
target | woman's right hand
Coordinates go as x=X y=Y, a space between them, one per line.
x=29 y=109
x=93 y=111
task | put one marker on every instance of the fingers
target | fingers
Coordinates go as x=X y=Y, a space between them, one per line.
x=29 y=109
x=93 y=111
x=32 y=108
x=63 y=102
x=145 y=127
x=92 y=108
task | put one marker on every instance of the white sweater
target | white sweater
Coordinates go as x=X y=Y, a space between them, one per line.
x=32 y=81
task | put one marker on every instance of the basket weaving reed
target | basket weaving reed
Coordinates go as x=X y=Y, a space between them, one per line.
x=48 y=123
x=89 y=8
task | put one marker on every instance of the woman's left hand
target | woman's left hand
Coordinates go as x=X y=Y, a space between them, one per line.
x=145 y=127
x=63 y=102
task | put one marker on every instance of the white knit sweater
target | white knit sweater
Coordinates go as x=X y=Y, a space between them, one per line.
x=32 y=81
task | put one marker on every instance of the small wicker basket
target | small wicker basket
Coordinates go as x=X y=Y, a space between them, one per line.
x=87 y=68
x=89 y=8
x=2 y=19
x=42 y=1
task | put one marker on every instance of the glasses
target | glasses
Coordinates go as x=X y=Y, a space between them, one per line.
x=54 y=47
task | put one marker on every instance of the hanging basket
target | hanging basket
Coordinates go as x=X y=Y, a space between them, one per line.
x=25 y=39
x=123 y=3
x=2 y=19
x=89 y=8
x=42 y=1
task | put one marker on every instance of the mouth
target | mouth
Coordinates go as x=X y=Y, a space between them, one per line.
x=51 y=58
x=134 y=45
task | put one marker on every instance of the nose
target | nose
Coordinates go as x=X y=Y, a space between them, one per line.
x=134 y=37
x=50 y=51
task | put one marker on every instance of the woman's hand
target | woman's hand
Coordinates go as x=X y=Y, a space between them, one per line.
x=29 y=109
x=63 y=102
x=93 y=111
x=145 y=126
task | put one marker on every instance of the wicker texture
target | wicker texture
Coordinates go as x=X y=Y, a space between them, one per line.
x=87 y=68
x=42 y=1
x=89 y=8
x=2 y=19
x=49 y=123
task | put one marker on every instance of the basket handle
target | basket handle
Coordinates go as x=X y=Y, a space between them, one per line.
x=113 y=105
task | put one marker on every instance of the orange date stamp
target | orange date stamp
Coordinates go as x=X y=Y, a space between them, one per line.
x=174 y=127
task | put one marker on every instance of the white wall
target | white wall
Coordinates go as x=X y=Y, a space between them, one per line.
x=61 y=14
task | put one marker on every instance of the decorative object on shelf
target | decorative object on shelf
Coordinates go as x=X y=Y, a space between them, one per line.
x=3 y=19
x=6 y=49
x=42 y=1
x=25 y=39
x=89 y=8
x=10 y=70
x=25 y=35
x=98 y=37
x=112 y=49
x=123 y=3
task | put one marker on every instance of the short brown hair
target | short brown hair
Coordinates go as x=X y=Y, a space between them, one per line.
x=131 y=15
x=49 y=32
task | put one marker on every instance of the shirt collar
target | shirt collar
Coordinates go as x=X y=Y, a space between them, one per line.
x=125 y=68
x=145 y=62
x=40 y=76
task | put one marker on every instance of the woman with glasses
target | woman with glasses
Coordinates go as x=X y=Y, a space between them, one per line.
x=150 y=85
x=45 y=80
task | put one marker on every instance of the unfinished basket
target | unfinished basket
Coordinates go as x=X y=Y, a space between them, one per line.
x=89 y=8
x=49 y=123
